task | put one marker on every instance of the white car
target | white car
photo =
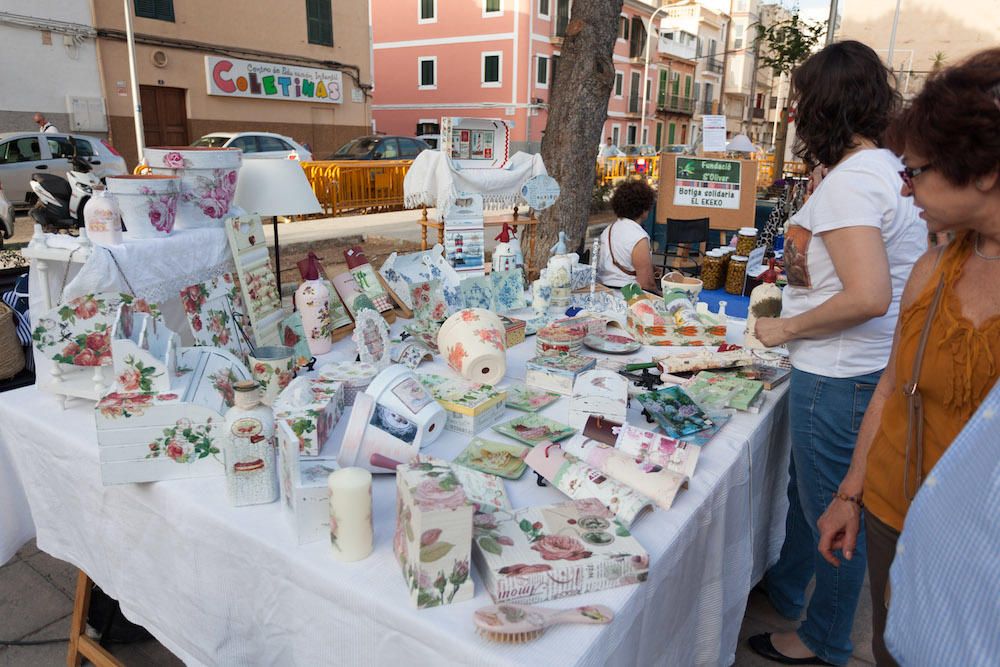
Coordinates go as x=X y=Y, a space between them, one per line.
x=25 y=153
x=257 y=145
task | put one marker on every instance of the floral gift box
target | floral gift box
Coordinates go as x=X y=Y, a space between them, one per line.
x=471 y=407
x=556 y=372
x=305 y=495
x=433 y=539
x=311 y=407
x=515 y=330
x=536 y=554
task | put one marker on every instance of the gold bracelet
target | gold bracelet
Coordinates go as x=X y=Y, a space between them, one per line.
x=850 y=499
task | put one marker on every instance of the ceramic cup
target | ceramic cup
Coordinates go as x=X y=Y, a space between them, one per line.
x=370 y=441
x=207 y=181
x=273 y=367
x=473 y=341
x=148 y=204
x=398 y=391
x=675 y=281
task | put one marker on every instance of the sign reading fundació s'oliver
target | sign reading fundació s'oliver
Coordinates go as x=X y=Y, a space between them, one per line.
x=233 y=77
x=707 y=183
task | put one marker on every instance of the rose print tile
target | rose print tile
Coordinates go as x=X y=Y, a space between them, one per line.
x=533 y=429
x=675 y=412
x=522 y=397
x=428 y=302
x=494 y=458
x=213 y=310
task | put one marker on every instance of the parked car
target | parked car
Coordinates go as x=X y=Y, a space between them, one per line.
x=380 y=147
x=6 y=217
x=25 y=153
x=432 y=140
x=257 y=145
x=634 y=150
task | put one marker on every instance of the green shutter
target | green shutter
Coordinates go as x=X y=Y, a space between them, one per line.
x=162 y=10
x=491 y=69
x=659 y=135
x=426 y=9
x=661 y=97
x=670 y=133
x=687 y=86
x=319 y=22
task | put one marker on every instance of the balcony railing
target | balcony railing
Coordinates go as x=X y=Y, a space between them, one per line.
x=713 y=65
x=675 y=104
x=758 y=113
x=706 y=107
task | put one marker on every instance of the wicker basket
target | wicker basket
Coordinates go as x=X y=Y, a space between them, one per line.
x=11 y=352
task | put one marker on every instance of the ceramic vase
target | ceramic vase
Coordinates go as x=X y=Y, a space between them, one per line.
x=207 y=181
x=560 y=268
x=473 y=343
x=249 y=449
x=148 y=204
x=312 y=298
x=406 y=403
x=765 y=301
x=273 y=367
x=371 y=440
x=103 y=218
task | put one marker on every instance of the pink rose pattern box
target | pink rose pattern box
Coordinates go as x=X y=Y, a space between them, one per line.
x=433 y=538
x=536 y=554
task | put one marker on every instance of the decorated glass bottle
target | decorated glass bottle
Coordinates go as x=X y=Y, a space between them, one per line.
x=765 y=301
x=249 y=449
x=312 y=298
x=504 y=258
x=102 y=218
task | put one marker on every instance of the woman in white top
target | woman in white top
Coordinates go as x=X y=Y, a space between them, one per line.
x=848 y=253
x=625 y=256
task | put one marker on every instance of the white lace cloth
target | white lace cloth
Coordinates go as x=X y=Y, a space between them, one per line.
x=154 y=269
x=432 y=178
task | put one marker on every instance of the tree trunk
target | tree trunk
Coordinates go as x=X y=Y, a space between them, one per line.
x=578 y=107
x=779 y=144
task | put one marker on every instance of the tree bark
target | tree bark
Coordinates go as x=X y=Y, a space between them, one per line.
x=779 y=144
x=578 y=107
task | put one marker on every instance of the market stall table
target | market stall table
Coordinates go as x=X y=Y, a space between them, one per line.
x=223 y=585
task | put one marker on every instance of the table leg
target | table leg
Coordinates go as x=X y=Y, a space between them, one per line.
x=423 y=229
x=80 y=645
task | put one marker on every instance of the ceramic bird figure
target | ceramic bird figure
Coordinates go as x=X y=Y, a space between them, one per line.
x=560 y=247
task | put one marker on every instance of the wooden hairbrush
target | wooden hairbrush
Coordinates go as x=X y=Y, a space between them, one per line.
x=519 y=623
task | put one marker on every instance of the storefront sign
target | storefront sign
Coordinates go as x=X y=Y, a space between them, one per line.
x=707 y=183
x=713 y=133
x=232 y=77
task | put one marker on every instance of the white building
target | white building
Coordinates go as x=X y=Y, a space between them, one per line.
x=50 y=65
x=708 y=28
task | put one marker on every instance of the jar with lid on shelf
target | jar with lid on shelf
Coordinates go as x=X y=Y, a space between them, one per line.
x=736 y=274
x=746 y=240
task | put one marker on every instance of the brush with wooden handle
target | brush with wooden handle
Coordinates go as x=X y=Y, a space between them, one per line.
x=519 y=623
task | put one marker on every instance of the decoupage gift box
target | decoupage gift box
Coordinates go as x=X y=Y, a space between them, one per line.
x=536 y=554
x=515 y=330
x=305 y=495
x=556 y=372
x=311 y=407
x=433 y=540
x=471 y=407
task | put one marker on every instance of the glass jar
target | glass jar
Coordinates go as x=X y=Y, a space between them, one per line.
x=713 y=270
x=736 y=275
x=746 y=240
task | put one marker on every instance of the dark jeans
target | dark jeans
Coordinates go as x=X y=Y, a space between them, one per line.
x=825 y=415
x=881 y=550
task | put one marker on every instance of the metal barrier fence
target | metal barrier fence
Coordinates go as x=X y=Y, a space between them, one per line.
x=361 y=186
x=616 y=169
x=765 y=170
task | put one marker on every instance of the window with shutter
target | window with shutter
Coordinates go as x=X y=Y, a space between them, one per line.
x=428 y=72
x=162 y=10
x=543 y=8
x=491 y=69
x=427 y=12
x=661 y=97
x=319 y=22
x=542 y=75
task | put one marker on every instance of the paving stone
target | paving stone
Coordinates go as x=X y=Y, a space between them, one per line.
x=759 y=608
x=28 y=602
x=29 y=549
x=59 y=573
x=42 y=654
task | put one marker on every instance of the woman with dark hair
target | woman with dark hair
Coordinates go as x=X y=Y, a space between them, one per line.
x=848 y=252
x=946 y=351
x=625 y=256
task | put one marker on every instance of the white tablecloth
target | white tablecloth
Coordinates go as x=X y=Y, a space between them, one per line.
x=221 y=585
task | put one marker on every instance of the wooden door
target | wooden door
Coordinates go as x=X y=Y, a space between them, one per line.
x=164 y=116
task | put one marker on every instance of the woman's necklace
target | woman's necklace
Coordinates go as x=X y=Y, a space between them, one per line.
x=980 y=254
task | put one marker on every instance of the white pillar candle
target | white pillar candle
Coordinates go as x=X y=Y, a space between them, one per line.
x=351 y=532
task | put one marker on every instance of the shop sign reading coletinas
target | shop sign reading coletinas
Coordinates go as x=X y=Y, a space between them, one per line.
x=232 y=77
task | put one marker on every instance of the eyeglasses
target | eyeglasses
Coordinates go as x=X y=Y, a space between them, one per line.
x=909 y=173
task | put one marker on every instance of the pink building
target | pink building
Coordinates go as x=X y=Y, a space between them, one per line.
x=500 y=59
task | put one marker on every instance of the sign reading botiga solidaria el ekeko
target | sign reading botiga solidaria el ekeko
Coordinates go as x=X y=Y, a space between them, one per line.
x=707 y=183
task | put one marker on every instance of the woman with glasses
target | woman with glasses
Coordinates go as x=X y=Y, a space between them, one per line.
x=946 y=353
x=848 y=252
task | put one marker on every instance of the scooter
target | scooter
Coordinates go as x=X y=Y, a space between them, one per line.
x=61 y=200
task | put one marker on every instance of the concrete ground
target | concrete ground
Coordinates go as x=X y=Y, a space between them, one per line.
x=36 y=601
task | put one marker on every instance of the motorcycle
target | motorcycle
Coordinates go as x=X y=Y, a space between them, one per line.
x=61 y=200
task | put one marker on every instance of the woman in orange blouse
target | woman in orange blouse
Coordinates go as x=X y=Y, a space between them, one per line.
x=950 y=139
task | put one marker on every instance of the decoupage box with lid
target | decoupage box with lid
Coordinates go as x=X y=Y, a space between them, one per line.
x=311 y=407
x=435 y=502
x=471 y=407
x=536 y=554
x=305 y=496
x=556 y=372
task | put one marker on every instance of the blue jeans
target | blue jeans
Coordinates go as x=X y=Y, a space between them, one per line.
x=825 y=415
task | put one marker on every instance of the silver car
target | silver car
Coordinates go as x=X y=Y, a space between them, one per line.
x=25 y=153
x=257 y=145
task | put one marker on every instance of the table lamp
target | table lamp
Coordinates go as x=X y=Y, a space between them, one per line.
x=271 y=187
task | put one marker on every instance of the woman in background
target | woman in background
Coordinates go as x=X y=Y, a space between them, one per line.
x=625 y=256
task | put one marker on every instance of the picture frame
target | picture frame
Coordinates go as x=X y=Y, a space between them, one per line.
x=371 y=338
